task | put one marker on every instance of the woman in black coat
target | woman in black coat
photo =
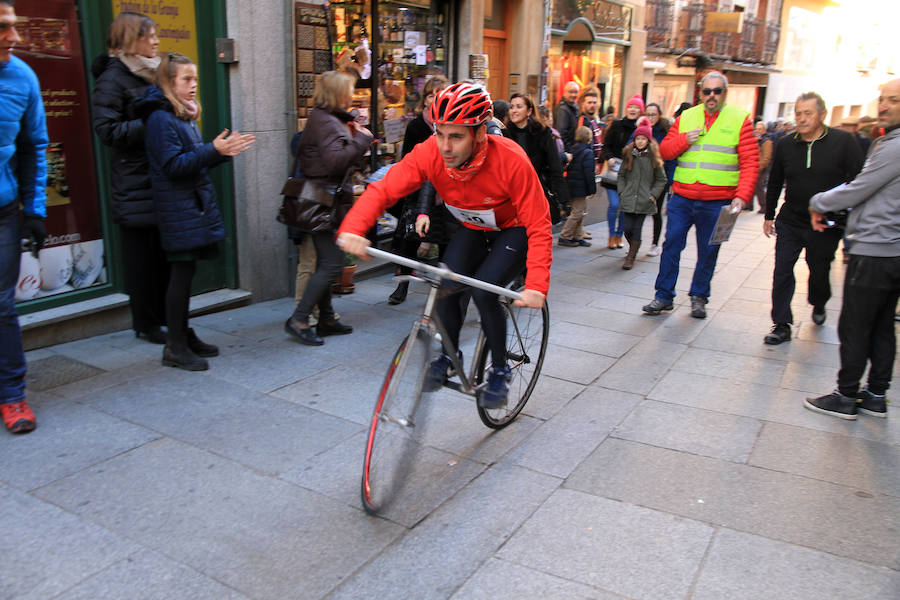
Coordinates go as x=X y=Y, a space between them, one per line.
x=539 y=145
x=407 y=210
x=331 y=146
x=190 y=223
x=123 y=75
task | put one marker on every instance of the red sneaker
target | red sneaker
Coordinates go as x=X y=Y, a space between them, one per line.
x=17 y=417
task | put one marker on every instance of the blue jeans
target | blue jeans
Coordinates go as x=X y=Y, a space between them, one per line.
x=682 y=213
x=613 y=218
x=12 y=358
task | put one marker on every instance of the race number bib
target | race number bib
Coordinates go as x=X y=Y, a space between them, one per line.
x=479 y=218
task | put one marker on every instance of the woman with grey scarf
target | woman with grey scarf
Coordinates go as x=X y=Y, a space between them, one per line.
x=122 y=76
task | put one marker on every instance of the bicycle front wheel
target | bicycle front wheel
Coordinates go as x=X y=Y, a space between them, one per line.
x=527 y=331
x=393 y=441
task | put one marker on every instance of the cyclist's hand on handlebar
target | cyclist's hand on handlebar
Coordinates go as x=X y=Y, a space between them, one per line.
x=531 y=299
x=423 y=223
x=356 y=245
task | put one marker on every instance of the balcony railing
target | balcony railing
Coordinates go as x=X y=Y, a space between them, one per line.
x=673 y=28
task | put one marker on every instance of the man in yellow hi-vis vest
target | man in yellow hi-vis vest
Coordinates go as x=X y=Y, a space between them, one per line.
x=718 y=161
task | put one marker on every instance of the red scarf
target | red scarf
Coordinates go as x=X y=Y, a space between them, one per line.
x=470 y=168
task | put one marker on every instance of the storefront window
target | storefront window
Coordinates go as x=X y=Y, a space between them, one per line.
x=393 y=53
x=74 y=256
x=587 y=64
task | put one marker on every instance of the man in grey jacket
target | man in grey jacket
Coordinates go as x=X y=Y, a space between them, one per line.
x=872 y=281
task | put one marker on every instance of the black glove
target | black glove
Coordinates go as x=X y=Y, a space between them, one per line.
x=33 y=229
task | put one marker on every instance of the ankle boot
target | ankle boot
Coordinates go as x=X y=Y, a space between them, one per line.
x=199 y=347
x=181 y=357
x=633 y=248
x=619 y=243
x=399 y=294
x=612 y=242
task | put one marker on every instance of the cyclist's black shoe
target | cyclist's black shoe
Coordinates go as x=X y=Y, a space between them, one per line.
x=497 y=389
x=437 y=373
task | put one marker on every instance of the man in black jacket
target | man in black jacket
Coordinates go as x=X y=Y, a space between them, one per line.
x=814 y=159
x=567 y=114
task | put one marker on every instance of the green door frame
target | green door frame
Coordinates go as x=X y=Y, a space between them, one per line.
x=95 y=18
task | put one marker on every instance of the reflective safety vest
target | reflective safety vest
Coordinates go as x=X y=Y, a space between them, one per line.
x=713 y=158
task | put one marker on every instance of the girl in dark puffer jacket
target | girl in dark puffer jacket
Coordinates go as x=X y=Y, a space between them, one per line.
x=190 y=223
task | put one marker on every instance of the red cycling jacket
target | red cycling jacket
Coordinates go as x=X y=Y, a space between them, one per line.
x=504 y=193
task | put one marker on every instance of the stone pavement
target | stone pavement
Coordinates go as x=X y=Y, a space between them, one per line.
x=659 y=458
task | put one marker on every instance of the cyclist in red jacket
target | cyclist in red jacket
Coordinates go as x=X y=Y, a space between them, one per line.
x=486 y=182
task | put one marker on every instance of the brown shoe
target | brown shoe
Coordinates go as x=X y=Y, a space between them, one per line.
x=612 y=242
x=633 y=248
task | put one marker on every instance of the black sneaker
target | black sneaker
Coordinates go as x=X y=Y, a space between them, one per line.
x=781 y=332
x=819 y=315
x=583 y=242
x=698 y=307
x=437 y=373
x=494 y=394
x=566 y=242
x=656 y=306
x=871 y=404
x=834 y=404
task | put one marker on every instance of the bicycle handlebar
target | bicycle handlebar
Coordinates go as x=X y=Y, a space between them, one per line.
x=444 y=273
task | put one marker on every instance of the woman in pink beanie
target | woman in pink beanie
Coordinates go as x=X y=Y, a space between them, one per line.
x=617 y=135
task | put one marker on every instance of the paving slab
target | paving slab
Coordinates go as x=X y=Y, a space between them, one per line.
x=437 y=557
x=611 y=545
x=579 y=337
x=702 y=432
x=560 y=444
x=69 y=438
x=741 y=566
x=47 y=550
x=270 y=434
x=505 y=579
x=157 y=578
x=772 y=504
x=766 y=403
x=736 y=367
x=549 y=396
x=847 y=460
x=577 y=366
x=643 y=366
x=248 y=531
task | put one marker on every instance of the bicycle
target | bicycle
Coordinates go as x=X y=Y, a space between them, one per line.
x=393 y=441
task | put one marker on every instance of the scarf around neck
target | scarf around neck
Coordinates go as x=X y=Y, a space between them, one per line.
x=470 y=168
x=143 y=67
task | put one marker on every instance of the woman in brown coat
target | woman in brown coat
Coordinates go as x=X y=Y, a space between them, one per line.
x=331 y=145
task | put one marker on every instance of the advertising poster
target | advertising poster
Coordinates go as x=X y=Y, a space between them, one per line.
x=73 y=255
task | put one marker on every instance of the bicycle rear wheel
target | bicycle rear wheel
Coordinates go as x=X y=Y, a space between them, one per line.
x=527 y=331
x=393 y=441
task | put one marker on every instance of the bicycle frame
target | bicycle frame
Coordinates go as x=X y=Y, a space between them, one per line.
x=431 y=322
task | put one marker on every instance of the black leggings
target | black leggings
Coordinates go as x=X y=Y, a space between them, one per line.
x=329 y=263
x=178 y=299
x=632 y=224
x=495 y=257
x=657 y=218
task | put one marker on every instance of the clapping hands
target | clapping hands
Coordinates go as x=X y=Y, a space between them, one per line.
x=233 y=144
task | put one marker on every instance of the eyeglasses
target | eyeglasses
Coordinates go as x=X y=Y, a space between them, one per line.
x=709 y=91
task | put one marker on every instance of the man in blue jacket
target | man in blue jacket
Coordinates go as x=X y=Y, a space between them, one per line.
x=23 y=180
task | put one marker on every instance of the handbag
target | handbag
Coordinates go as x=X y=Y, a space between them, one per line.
x=609 y=176
x=311 y=205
